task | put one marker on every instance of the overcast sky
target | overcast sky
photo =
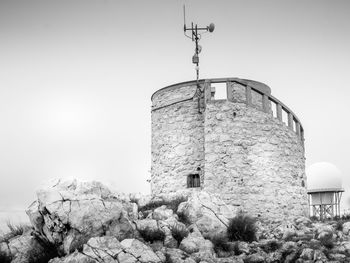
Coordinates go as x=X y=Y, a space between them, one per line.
x=76 y=79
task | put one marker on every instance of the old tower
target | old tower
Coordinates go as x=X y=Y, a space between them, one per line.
x=247 y=146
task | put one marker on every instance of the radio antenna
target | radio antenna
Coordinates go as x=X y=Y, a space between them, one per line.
x=196 y=36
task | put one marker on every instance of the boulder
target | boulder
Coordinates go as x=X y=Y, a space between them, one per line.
x=75 y=257
x=162 y=213
x=134 y=249
x=103 y=248
x=108 y=249
x=346 y=228
x=175 y=255
x=207 y=211
x=307 y=254
x=69 y=213
x=147 y=223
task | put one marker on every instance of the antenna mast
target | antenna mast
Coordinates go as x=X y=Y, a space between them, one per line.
x=196 y=36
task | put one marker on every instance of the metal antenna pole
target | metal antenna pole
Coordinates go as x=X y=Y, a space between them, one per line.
x=195 y=59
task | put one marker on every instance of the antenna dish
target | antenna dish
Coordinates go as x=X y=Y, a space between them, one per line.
x=211 y=27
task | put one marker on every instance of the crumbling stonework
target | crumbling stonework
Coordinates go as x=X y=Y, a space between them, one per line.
x=239 y=148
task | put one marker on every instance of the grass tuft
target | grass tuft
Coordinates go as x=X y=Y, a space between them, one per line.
x=242 y=228
x=179 y=232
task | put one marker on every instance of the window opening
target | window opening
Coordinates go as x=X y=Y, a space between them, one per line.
x=193 y=181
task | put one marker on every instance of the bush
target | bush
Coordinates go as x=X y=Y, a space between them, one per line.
x=241 y=228
x=183 y=218
x=271 y=246
x=327 y=242
x=151 y=235
x=179 y=232
x=15 y=230
x=339 y=225
x=220 y=242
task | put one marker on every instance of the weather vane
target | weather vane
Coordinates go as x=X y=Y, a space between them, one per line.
x=196 y=36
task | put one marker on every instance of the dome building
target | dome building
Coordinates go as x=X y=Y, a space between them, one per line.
x=324 y=184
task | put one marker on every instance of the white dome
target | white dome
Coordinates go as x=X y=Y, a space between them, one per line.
x=323 y=176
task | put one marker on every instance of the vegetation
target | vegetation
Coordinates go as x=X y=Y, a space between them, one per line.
x=242 y=228
x=179 y=232
x=183 y=218
x=151 y=235
x=15 y=230
x=327 y=242
x=220 y=242
x=271 y=246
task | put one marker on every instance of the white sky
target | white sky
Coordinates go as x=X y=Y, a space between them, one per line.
x=76 y=79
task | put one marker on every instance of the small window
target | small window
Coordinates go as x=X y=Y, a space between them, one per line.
x=193 y=180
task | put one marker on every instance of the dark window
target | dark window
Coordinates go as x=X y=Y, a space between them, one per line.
x=193 y=180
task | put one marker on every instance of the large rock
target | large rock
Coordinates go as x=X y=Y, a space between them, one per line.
x=207 y=211
x=108 y=249
x=134 y=249
x=75 y=257
x=69 y=213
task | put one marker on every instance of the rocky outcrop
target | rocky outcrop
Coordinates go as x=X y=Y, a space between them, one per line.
x=87 y=223
x=207 y=211
x=69 y=213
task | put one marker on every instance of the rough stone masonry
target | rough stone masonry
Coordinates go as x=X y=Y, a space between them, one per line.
x=248 y=147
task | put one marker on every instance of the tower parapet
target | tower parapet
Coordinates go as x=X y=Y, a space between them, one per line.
x=247 y=147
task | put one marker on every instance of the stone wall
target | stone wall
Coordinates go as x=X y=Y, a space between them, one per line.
x=241 y=151
x=177 y=139
x=253 y=161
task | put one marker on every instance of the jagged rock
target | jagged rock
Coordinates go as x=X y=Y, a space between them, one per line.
x=307 y=254
x=140 y=251
x=189 y=245
x=231 y=259
x=195 y=242
x=175 y=255
x=169 y=241
x=304 y=221
x=337 y=257
x=320 y=256
x=162 y=213
x=108 y=249
x=289 y=247
x=289 y=234
x=69 y=213
x=274 y=257
x=207 y=211
x=243 y=247
x=143 y=224
x=140 y=199
x=103 y=248
x=75 y=257
x=255 y=258
x=204 y=255
x=346 y=228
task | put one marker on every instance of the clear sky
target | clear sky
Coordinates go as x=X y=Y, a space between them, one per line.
x=76 y=79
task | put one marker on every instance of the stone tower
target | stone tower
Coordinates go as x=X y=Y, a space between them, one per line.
x=248 y=147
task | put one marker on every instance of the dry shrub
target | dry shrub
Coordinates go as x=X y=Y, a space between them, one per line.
x=242 y=228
